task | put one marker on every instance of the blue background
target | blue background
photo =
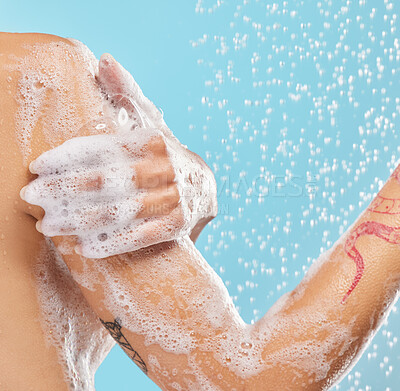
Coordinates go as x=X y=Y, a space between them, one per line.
x=294 y=105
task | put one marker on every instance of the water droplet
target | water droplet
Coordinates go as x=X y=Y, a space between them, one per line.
x=123 y=116
x=38 y=85
x=100 y=126
x=102 y=237
x=246 y=345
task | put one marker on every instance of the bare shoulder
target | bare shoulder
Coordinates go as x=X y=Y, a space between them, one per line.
x=20 y=44
x=49 y=86
x=48 y=92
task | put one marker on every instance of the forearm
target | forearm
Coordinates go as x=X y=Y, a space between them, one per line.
x=343 y=298
x=173 y=309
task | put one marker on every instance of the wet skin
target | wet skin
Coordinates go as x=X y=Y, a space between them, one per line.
x=335 y=308
x=23 y=248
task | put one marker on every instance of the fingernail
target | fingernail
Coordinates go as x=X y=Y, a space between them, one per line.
x=39 y=226
x=106 y=58
x=22 y=193
x=32 y=167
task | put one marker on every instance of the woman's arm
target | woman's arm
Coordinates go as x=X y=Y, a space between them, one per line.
x=182 y=328
x=330 y=317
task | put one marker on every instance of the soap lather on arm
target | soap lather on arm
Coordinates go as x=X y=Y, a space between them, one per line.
x=122 y=191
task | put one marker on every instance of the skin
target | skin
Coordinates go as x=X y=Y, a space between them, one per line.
x=23 y=249
x=306 y=341
x=19 y=248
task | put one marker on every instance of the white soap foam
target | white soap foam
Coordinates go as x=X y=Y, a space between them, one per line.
x=69 y=323
x=159 y=324
x=85 y=187
x=103 y=219
x=42 y=80
x=196 y=185
x=110 y=199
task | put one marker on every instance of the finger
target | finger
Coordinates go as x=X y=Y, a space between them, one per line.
x=114 y=181
x=78 y=151
x=141 y=233
x=35 y=211
x=122 y=90
x=154 y=174
x=73 y=161
x=89 y=151
x=81 y=218
x=111 y=76
x=141 y=145
x=116 y=80
x=157 y=146
x=55 y=187
x=160 y=202
x=78 y=218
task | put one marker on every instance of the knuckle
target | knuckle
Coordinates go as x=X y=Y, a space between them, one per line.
x=174 y=195
x=93 y=182
x=157 y=146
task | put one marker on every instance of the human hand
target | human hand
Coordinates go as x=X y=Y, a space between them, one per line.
x=124 y=191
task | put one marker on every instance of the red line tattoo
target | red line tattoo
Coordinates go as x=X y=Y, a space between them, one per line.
x=383 y=205
x=390 y=234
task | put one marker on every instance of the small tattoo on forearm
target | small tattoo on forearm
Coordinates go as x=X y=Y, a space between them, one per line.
x=114 y=328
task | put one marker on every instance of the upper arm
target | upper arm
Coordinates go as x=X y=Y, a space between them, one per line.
x=28 y=267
